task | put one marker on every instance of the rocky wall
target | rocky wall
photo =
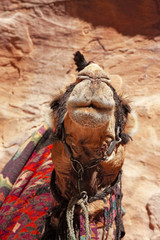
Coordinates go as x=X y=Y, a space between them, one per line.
x=37 y=41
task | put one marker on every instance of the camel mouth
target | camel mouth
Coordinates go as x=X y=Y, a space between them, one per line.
x=95 y=106
x=91 y=103
x=90 y=110
x=88 y=102
x=90 y=116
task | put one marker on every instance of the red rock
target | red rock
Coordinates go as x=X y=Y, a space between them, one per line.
x=153 y=210
x=38 y=39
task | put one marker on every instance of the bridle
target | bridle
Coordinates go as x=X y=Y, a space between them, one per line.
x=78 y=167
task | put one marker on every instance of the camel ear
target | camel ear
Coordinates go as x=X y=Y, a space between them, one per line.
x=116 y=82
x=131 y=126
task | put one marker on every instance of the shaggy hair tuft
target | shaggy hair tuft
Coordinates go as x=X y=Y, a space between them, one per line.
x=80 y=61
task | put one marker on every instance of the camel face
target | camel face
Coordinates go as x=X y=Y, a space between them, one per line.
x=91 y=103
x=90 y=120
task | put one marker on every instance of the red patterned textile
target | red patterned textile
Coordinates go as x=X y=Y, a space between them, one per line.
x=26 y=198
x=22 y=213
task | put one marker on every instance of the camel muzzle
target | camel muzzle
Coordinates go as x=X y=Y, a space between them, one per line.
x=91 y=103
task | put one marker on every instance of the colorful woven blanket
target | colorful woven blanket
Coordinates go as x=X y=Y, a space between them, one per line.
x=25 y=194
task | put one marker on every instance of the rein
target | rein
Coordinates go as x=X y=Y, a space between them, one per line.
x=99 y=196
x=77 y=165
x=65 y=209
x=82 y=200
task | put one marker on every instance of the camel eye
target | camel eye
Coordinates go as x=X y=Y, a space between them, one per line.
x=109 y=139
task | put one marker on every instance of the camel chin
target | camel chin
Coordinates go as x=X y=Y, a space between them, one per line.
x=90 y=117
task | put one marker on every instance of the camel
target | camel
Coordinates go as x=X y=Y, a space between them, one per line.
x=91 y=130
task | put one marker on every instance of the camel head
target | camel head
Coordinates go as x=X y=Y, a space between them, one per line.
x=91 y=130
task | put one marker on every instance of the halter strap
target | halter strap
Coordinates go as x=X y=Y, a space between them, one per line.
x=78 y=167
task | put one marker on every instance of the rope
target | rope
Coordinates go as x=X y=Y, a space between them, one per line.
x=70 y=215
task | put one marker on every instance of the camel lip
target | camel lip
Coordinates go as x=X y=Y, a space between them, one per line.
x=90 y=117
x=92 y=106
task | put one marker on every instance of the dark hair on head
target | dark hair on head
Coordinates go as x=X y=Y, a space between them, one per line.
x=58 y=105
x=121 y=113
x=80 y=61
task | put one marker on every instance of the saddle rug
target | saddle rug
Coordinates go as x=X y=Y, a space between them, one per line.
x=25 y=196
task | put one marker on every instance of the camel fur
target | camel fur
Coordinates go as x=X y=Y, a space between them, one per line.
x=89 y=116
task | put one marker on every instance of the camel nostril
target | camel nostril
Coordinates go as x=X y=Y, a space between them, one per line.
x=95 y=80
x=82 y=78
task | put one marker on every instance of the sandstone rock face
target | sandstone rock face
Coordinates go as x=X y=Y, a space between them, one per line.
x=154 y=215
x=37 y=42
